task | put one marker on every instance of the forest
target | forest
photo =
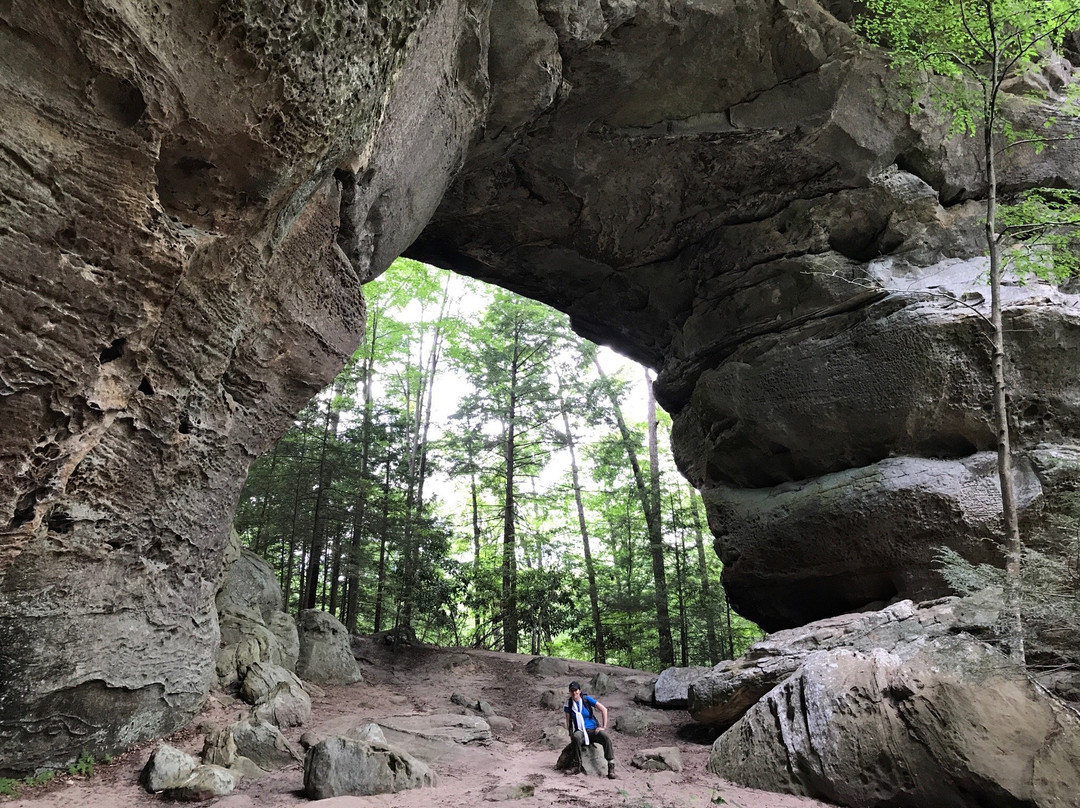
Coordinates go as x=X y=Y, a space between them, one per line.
x=478 y=475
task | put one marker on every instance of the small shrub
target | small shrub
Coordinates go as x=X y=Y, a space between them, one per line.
x=41 y=778
x=8 y=787
x=83 y=767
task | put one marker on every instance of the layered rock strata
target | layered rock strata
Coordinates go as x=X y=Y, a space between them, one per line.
x=192 y=196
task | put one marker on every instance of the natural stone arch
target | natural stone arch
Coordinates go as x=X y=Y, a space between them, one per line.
x=195 y=194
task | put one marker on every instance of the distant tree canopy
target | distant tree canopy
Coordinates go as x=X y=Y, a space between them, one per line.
x=471 y=474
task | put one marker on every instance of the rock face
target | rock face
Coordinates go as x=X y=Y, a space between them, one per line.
x=735 y=194
x=944 y=722
x=789 y=246
x=192 y=198
x=342 y=766
x=325 y=654
x=723 y=694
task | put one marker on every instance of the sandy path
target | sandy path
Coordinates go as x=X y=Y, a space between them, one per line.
x=421 y=680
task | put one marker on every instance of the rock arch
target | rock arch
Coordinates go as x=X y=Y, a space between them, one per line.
x=193 y=195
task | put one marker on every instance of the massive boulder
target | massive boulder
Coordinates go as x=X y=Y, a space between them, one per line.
x=735 y=194
x=942 y=721
x=723 y=694
x=325 y=654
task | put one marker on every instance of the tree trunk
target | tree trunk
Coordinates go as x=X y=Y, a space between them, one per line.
x=652 y=519
x=703 y=567
x=380 y=586
x=318 y=518
x=1014 y=631
x=656 y=538
x=599 y=653
x=360 y=503
x=290 y=561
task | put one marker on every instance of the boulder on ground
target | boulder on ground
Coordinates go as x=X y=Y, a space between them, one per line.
x=592 y=759
x=632 y=722
x=720 y=696
x=550 y=700
x=168 y=767
x=250 y=584
x=500 y=724
x=937 y=721
x=463 y=700
x=205 y=783
x=601 y=684
x=278 y=695
x=442 y=727
x=283 y=626
x=660 y=759
x=325 y=653
x=552 y=737
x=645 y=694
x=264 y=744
x=370 y=732
x=219 y=748
x=511 y=791
x=342 y=766
x=672 y=686
x=547 y=666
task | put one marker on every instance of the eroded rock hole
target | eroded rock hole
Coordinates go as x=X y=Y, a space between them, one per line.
x=24 y=511
x=145 y=387
x=59 y=521
x=113 y=352
x=185 y=425
x=119 y=99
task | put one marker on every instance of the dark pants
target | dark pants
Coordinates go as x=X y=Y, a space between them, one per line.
x=595 y=736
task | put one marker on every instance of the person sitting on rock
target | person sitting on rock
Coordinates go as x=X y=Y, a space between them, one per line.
x=583 y=727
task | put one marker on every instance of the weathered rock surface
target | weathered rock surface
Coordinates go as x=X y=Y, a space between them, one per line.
x=795 y=252
x=591 y=759
x=167 y=767
x=193 y=198
x=632 y=722
x=263 y=744
x=325 y=653
x=941 y=721
x=442 y=727
x=673 y=684
x=340 y=766
x=205 y=783
x=547 y=666
x=279 y=697
x=253 y=627
x=722 y=695
x=660 y=759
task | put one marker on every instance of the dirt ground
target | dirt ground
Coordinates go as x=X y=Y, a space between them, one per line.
x=421 y=680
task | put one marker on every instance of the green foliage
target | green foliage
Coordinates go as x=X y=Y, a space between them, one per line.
x=1050 y=584
x=407 y=525
x=46 y=775
x=1044 y=228
x=975 y=45
x=83 y=767
x=10 y=787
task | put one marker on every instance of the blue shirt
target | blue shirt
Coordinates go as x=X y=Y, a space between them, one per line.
x=587 y=703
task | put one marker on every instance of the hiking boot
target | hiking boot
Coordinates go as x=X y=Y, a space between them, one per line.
x=611 y=770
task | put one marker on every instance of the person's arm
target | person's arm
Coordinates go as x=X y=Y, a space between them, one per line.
x=603 y=715
x=569 y=721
